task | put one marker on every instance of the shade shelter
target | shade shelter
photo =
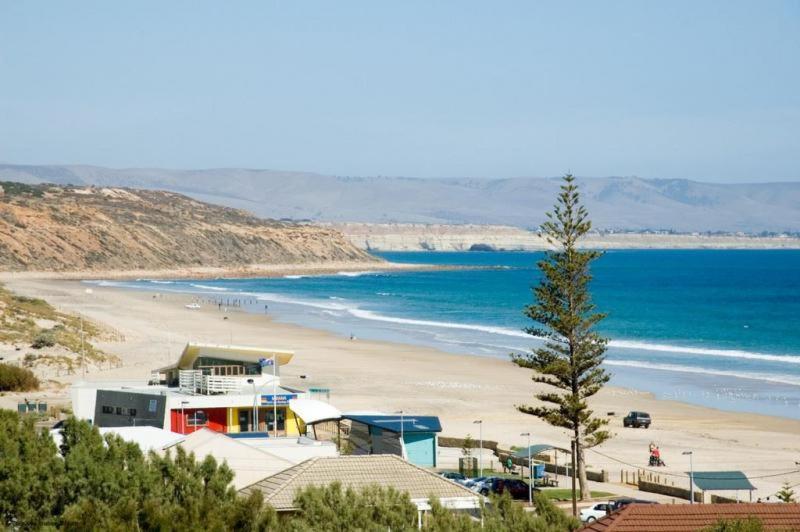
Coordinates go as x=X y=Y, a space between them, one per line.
x=537 y=449
x=722 y=481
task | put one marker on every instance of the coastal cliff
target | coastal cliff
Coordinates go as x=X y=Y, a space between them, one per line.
x=444 y=237
x=64 y=228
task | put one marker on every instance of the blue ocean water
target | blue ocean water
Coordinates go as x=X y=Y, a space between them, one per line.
x=713 y=327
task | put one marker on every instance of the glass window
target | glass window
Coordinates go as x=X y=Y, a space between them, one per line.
x=197 y=418
x=119 y=411
x=152 y=406
x=131 y=411
x=108 y=410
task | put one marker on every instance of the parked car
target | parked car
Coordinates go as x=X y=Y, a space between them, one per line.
x=469 y=482
x=518 y=489
x=455 y=477
x=616 y=504
x=637 y=419
x=595 y=512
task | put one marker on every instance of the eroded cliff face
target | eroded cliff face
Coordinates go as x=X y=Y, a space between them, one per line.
x=442 y=237
x=53 y=228
x=439 y=237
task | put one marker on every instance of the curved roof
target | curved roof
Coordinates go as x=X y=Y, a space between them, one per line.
x=313 y=411
x=193 y=351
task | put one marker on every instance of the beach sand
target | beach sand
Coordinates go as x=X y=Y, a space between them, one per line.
x=371 y=375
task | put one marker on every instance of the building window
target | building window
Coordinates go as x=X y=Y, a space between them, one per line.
x=197 y=418
x=152 y=406
x=120 y=411
x=131 y=411
x=108 y=410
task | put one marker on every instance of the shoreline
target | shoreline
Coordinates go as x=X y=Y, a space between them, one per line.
x=231 y=272
x=387 y=376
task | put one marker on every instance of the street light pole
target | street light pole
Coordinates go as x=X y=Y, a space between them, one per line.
x=530 y=475
x=402 y=434
x=255 y=405
x=691 y=475
x=183 y=417
x=572 y=471
x=480 y=443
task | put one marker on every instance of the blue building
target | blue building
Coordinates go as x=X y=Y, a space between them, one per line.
x=415 y=438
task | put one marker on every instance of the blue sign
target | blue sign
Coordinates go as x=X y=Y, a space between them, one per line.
x=280 y=399
x=266 y=361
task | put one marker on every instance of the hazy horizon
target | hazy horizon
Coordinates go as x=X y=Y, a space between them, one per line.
x=388 y=176
x=708 y=92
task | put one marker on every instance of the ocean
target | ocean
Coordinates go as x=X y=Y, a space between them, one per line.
x=719 y=328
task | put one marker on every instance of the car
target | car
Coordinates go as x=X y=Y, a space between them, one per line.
x=592 y=513
x=616 y=504
x=455 y=477
x=476 y=484
x=637 y=419
x=518 y=489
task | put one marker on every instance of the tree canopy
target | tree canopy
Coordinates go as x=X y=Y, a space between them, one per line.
x=92 y=483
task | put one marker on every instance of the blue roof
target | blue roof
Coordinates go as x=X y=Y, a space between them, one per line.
x=392 y=422
x=721 y=480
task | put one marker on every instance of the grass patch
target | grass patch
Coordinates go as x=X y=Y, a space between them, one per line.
x=18 y=325
x=564 y=494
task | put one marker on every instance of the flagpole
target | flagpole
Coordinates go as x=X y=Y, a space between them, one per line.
x=274 y=397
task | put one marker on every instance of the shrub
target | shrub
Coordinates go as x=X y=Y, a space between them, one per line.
x=44 y=339
x=14 y=379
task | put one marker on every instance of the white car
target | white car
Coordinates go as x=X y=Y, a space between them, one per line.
x=592 y=513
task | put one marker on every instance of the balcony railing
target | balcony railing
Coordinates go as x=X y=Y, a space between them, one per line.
x=193 y=381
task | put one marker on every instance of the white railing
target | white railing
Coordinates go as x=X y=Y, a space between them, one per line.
x=213 y=384
x=193 y=381
x=190 y=380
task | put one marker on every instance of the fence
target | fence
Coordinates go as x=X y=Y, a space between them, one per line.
x=670 y=491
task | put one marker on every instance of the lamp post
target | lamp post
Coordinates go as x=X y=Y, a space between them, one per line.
x=402 y=434
x=255 y=404
x=183 y=417
x=479 y=422
x=530 y=473
x=691 y=476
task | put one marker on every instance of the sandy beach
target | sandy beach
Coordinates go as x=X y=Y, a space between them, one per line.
x=370 y=375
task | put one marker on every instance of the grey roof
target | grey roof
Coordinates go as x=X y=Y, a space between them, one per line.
x=536 y=449
x=357 y=471
x=721 y=480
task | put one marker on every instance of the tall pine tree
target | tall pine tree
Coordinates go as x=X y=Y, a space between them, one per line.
x=569 y=360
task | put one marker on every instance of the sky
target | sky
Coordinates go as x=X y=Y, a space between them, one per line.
x=705 y=90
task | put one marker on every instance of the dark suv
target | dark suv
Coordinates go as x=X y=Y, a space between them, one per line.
x=616 y=504
x=518 y=489
x=637 y=419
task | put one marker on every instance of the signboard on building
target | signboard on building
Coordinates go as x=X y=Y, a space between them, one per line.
x=282 y=399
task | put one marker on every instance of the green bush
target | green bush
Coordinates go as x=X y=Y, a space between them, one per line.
x=14 y=379
x=44 y=339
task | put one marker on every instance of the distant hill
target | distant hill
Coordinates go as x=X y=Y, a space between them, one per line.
x=621 y=203
x=56 y=228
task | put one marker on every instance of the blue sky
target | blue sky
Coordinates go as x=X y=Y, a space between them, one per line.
x=702 y=90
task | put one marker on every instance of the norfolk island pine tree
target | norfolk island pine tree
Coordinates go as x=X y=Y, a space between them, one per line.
x=569 y=361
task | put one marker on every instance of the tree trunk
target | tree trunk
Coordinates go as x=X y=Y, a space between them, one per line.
x=582 y=481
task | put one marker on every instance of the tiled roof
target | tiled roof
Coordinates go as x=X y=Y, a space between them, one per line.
x=358 y=472
x=694 y=517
